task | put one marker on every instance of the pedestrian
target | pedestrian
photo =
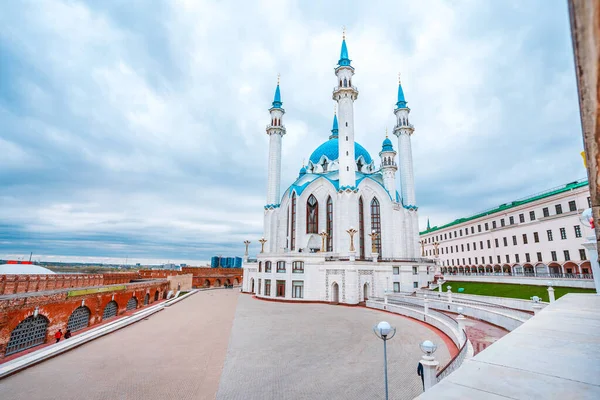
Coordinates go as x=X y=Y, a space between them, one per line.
x=420 y=373
x=58 y=335
x=68 y=334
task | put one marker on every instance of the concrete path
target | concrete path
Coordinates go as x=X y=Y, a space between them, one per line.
x=177 y=353
x=320 y=351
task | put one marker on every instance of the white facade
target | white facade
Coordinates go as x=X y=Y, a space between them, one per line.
x=308 y=252
x=537 y=236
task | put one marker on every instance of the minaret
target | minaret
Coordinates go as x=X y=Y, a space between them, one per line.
x=345 y=94
x=275 y=130
x=388 y=166
x=404 y=131
x=334 y=128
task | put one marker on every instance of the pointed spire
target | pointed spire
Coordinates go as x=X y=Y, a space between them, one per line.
x=428 y=226
x=277 y=99
x=334 y=129
x=344 y=60
x=401 y=101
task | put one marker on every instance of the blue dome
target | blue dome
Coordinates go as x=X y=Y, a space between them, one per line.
x=329 y=149
x=387 y=145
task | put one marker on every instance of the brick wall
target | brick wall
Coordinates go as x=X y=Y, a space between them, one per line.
x=57 y=307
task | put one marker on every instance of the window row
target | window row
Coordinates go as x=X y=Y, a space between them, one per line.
x=524 y=238
x=511 y=221
x=297 y=266
x=507 y=258
x=297 y=288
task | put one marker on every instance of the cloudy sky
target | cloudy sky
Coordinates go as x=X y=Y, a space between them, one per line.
x=137 y=128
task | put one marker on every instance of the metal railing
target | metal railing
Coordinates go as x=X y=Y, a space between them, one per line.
x=455 y=362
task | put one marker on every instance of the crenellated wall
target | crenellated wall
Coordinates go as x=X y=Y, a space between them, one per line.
x=12 y=284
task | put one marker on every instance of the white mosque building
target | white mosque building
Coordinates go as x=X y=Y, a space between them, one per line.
x=341 y=232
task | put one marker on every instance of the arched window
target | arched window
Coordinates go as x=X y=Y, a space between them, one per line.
x=350 y=82
x=361 y=228
x=132 y=304
x=287 y=228
x=293 y=229
x=345 y=82
x=267 y=266
x=79 y=319
x=376 y=223
x=110 y=310
x=329 y=224
x=29 y=333
x=312 y=215
x=340 y=82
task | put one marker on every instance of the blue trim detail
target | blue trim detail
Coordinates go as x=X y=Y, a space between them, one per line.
x=411 y=207
x=271 y=206
x=348 y=189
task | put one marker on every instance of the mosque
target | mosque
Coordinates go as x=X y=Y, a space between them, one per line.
x=341 y=232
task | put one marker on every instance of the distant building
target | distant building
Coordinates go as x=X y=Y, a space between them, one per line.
x=540 y=235
x=225 y=262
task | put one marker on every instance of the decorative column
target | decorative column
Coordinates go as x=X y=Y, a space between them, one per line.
x=551 y=293
x=262 y=242
x=246 y=243
x=449 y=294
x=374 y=253
x=352 y=251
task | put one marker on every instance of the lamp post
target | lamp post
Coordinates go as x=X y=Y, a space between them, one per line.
x=551 y=297
x=385 y=332
x=429 y=364
x=536 y=305
x=262 y=242
x=247 y=243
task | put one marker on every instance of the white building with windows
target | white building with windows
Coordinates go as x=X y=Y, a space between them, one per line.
x=341 y=232
x=540 y=235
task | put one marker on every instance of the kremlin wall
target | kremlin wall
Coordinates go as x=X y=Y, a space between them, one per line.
x=33 y=307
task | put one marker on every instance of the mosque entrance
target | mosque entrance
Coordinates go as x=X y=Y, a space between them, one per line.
x=366 y=292
x=335 y=293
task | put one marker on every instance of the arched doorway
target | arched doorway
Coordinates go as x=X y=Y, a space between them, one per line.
x=156 y=295
x=528 y=270
x=335 y=293
x=147 y=299
x=252 y=285
x=217 y=283
x=555 y=269
x=236 y=281
x=29 y=333
x=206 y=283
x=517 y=269
x=541 y=270
x=132 y=304
x=586 y=269
x=79 y=319
x=110 y=310
x=366 y=291
x=506 y=269
x=227 y=282
x=570 y=268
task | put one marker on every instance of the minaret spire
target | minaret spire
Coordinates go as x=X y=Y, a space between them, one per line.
x=345 y=94
x=388 y=166
x=275 y=130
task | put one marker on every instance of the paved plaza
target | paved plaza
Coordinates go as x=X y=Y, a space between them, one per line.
x=319 y=351
x=224 y=344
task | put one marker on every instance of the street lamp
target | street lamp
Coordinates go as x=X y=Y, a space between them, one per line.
x=428 y=348
x=385 y=332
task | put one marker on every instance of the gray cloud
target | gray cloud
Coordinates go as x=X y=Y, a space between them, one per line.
x=135 y=130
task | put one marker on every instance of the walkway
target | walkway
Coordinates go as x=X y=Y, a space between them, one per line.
x=176 y=353
x=319 y=351
x=554 y=355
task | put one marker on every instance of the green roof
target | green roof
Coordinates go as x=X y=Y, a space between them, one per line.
x=507 y=206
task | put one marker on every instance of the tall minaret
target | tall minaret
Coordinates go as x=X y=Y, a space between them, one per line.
x=345 y=94
x=404 y=131
x=275 y=130
x=388 y=166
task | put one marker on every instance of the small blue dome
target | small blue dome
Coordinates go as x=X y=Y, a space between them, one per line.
x=387 y=145
x=330 y=150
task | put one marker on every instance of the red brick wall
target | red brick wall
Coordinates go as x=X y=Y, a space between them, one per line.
x=57 y=307
x=214 y=276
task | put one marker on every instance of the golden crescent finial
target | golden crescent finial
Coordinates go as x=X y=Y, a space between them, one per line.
x=334 y=108
x=398 y=78
x=344 y=32
x=386 y=133
x=278 y=78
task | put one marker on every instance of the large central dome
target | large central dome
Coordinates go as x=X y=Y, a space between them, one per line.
x=330 y=150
